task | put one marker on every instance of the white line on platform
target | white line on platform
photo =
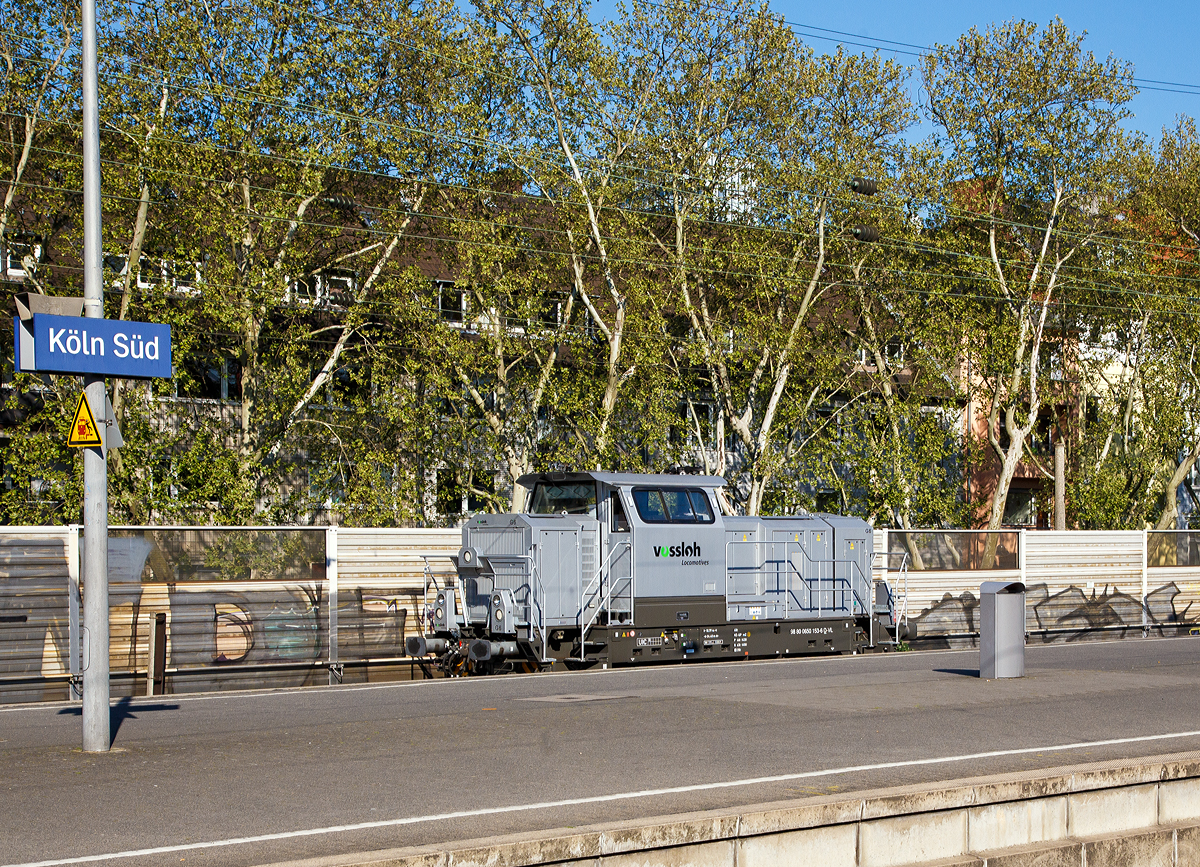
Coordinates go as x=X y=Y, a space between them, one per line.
x=596 y=799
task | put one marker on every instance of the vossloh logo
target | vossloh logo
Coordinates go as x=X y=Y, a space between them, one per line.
x=686 y=550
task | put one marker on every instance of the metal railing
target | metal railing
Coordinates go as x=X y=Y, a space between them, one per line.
x=785 y=567
x=899 y=601
x=536 y=596
x=602 y=595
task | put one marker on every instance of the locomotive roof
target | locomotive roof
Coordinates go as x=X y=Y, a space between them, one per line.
x=674 y=479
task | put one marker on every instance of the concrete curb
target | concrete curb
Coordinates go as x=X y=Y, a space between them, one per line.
x=1132 y=811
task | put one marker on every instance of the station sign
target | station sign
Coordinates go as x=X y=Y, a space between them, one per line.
x=47 y=343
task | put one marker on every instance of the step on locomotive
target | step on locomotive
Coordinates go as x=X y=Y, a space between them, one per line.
x=609 y=569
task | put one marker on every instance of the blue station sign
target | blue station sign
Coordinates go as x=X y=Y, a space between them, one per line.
x=103 y=347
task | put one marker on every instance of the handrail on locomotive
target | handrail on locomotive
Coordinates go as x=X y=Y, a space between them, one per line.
x=586 y=596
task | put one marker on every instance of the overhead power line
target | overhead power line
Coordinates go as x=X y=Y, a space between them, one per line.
x=911 y=49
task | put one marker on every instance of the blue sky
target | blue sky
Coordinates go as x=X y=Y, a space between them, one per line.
x=1160 y=39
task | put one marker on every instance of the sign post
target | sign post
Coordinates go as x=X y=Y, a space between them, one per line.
x=50 y=338
x=96 y=726
x=93 y=347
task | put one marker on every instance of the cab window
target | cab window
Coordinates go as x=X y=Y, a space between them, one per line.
x=616 y=511
x=672 y=505
x=679 y=507
x=701 y=507
x=571 y=498
x=650 y=506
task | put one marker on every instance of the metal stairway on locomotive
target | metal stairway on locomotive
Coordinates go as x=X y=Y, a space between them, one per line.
x=624 y=568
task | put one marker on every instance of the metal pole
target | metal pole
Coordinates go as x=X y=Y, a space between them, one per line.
x=96 y=735
x=1145 y=581
x=1060 y=485
x=331 y=592
x=74 y=605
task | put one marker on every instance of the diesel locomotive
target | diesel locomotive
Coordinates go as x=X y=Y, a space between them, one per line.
x=608 y=569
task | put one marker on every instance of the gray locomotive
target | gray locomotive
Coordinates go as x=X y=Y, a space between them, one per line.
x=623 y=568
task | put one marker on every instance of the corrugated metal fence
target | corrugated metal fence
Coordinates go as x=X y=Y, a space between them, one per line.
x=279 y=606
x=245 y=606
x=1079 y=584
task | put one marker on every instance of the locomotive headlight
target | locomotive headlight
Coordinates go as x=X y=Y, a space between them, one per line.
x=467 y=555
x=438 y=614
x=496 y=599
x=499 y=614
x=441 y=599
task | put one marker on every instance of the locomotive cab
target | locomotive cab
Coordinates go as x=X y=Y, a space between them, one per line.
x=625 y=568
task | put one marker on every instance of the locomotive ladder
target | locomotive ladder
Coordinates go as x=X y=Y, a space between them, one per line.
x=898 y=600
x=605 y=595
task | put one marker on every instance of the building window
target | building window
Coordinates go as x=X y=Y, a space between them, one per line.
x=1021 y=507
x=210 y=379
x=480 y=493
x=452 y=302
x=549 y=312
x=449 y=497
x=179 y=277
x=323 y=288
x=21 y=254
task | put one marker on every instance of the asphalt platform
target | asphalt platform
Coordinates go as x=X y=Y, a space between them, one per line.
x=250 y=778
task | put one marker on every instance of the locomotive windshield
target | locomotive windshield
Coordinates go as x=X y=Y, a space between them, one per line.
x=573 y=498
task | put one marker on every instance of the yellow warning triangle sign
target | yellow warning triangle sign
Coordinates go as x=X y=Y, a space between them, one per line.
x=84 y=433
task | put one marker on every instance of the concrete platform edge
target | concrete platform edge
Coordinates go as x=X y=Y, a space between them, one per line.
x=1128 y=812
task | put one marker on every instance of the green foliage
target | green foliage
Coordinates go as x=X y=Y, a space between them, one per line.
x=647 y=227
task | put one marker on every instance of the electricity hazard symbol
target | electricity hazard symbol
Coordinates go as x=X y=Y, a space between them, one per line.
x=84 y=433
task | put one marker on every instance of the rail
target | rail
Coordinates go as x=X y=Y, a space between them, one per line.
x=603 y=597
x=430 y=578
x=863 y=578
x=898 y=603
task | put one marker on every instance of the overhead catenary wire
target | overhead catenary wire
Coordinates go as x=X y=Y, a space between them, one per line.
x=881 y=272
x=625 y=208
x=542 y=230
x=552 y=161
x=957 y=252
x=911 y=49
x=454 y=239
x=641 y=169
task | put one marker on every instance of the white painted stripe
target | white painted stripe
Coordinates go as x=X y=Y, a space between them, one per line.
x=595 y=799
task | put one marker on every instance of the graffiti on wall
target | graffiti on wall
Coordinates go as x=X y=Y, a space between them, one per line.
x=1067 y=614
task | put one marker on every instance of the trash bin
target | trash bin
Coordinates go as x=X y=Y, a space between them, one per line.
x=1001 y=629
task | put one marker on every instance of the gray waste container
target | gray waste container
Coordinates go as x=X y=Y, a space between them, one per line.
x=1001 y=629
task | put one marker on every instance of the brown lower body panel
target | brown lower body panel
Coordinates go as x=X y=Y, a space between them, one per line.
x=696 y=629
